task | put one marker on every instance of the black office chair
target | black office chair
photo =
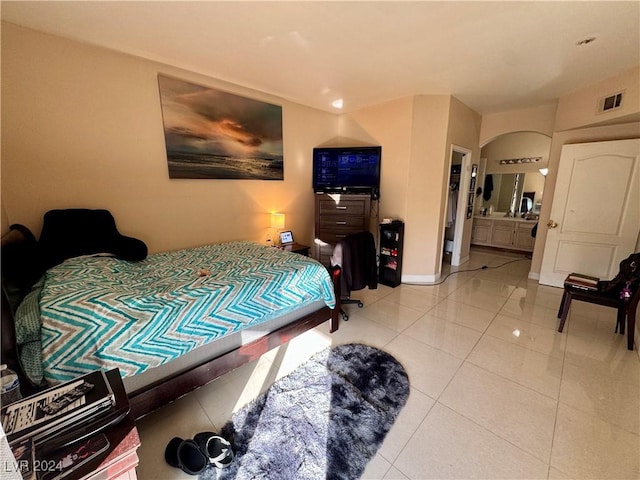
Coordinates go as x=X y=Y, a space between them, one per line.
x=356 y=256
x=622 y=293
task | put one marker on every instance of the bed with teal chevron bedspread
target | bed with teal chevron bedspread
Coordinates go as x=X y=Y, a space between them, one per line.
x=101 y=312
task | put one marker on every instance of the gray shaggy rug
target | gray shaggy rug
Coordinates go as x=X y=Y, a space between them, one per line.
x=325 y=420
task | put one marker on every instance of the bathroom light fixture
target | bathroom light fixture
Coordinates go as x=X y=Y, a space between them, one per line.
x=339 y=103
x=517 y=161
x=544 y=171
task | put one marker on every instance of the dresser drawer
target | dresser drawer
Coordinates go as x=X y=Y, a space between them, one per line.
x=344 y=207
x=335 y=234
x=331 y=221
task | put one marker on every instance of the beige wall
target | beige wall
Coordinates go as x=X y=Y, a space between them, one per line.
x=539 y=119
x=516 y=145
x=82 y=127
x=579 y=109
x=464 y=131
x=388 y=125
x=427 y=177
x=416 y=135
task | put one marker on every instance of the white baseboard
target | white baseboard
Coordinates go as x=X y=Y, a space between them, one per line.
x=426 y=279
x=534 y=275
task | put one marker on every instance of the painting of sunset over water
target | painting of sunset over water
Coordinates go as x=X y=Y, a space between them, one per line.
x=214 y=134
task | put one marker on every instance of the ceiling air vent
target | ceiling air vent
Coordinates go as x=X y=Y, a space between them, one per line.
x=611 y=102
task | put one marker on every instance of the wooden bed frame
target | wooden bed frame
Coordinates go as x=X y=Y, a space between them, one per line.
x=169 y=389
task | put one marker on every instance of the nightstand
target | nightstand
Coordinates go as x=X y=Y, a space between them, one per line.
x=297 y=248
x=117 y=461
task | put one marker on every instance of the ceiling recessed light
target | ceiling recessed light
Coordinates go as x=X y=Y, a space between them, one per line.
x=586 y=41
x=337 y=103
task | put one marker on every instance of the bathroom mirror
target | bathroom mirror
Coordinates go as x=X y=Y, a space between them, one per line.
x=520 y=192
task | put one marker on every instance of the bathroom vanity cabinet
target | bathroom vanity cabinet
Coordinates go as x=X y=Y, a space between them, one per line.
x=503 y=232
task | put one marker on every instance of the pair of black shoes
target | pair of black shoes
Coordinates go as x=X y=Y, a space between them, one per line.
x=193 y=456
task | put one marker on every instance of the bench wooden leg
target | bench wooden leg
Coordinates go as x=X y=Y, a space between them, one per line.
x=564 y=298
x=564 y=309
x=631 y=324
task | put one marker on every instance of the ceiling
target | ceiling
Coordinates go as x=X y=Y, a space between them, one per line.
x=492 y=56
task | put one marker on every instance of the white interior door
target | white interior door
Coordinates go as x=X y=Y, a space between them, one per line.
x=595 y=216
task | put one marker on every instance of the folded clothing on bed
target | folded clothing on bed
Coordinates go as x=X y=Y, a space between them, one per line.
x=102 y=312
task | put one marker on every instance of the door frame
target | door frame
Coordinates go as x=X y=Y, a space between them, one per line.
x=546 y=275
x=461 y=219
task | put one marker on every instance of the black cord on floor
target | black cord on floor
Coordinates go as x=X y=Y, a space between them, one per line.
x=484 y=267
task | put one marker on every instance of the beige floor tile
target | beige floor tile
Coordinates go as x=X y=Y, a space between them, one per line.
x=220 y=399
x=411 y=415
x=482 y=300
x=586 y=447
x=391 y=315
x=515 y=413
x=429 y=369
x=447 y=336
x=359 y=329
x=531 y=312
x=526 y=367
x=183 y=418
x=542 y=295
x=448 y=445
x=592 y=389
x=601 y=345
x=412 y=298
x=486 y=287
x=394 y=474
x=463 y=314
x=502 y=274
x=376 y=468
x=540 y=339
x=301 y=348
x=594 y=327
x=443 y=289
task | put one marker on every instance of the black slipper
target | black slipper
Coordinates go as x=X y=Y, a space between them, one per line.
x=215 y=447
x=185 y=455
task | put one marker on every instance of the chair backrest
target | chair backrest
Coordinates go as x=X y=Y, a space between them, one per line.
x=356 y=254
x=627 y=278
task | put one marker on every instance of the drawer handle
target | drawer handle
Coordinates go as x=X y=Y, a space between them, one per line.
x=340 y=235
x=340 y=208
x=341 y=223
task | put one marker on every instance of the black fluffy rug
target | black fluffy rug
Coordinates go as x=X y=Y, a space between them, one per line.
x=326 y=419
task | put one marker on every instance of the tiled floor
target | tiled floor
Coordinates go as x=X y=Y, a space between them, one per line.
x=496 y=391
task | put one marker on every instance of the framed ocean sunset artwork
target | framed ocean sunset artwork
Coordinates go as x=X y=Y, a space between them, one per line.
x=210 y=133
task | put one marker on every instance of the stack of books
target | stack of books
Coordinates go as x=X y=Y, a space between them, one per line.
x=57 y=431
x=582 y=282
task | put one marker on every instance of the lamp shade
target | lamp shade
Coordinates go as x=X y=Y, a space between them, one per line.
x=277 y=220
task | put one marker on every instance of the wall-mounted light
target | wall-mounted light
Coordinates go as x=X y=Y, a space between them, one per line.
x=518 y=161
x=544 y=171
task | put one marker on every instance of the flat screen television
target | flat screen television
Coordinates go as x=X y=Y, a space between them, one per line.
x=347 y=170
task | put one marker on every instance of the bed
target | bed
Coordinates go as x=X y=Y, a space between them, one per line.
x=171 y=321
